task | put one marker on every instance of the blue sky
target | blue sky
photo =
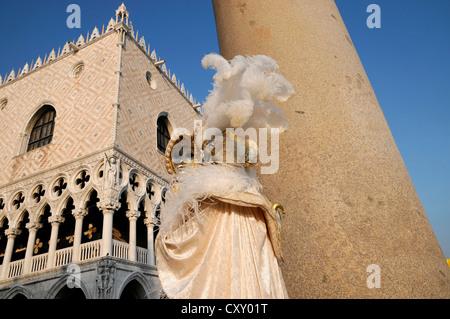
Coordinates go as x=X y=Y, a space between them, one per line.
x=406 y=60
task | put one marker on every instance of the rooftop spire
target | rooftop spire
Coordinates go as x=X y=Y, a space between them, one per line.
x=122 y=14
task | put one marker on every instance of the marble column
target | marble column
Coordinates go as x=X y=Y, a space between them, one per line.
x=150 y=222
x=108 y=213
x=11 y=233
x=132 y=215
x=32 y=230
x=79 y=215
x=55 y=221
x=349 y=200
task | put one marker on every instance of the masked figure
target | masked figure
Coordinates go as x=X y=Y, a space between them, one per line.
x=219 y=236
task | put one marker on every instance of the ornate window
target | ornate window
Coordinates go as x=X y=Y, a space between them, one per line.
x=76 y=70
x=42 y=132
x=163 y=135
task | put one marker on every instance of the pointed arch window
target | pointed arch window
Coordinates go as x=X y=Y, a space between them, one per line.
x=42 y=132
x=163 y=135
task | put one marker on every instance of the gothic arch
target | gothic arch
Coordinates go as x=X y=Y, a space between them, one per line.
x=123 y=191
x=39 y=211
x=20 y=241
x=62 y=204
x=3 y=218
x=62 y=283
x=93 y=221
x=141 y=202
x=18 y=292
x=139 y=284
x=86 y=197
x=16 y=223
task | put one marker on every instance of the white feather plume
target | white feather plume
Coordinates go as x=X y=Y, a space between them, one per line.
x=242 y=91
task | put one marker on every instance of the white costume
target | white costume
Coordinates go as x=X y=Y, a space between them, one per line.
x=219 y=237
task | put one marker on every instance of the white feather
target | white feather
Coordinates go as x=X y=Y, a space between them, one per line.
x=242 y=91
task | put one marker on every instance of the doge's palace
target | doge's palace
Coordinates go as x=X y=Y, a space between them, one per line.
x=83 y=134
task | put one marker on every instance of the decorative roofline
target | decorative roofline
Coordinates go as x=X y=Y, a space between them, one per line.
x=69 y=48
x=73 y=47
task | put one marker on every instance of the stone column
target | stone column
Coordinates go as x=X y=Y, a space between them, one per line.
x=108 y=213
x=349 y=200
x=150 y=222
x=79 y=215
x=54 y=221
x=32 y=230
x=132 y=215
x=11 y=233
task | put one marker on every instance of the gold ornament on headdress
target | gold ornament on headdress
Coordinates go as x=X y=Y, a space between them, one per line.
x=207 y=147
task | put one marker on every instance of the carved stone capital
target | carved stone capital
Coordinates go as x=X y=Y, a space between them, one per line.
x=151 y=221
x=109 y=206
x=56 y=219
x=133 y=214
x=33 y=226
x=12 y=232
x=79 y=213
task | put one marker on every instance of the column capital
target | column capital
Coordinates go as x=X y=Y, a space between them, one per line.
x=151 y=221
x=133 y=214
x=109 y=206
x=79 y=213
x=33 y=226
x=56 y=219
x=12 y=232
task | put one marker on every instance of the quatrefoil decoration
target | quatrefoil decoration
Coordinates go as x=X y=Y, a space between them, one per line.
x=60 y=186
x=133 y=182
x=18 y=201
x=83 y=179
x=150 y=191
x=38 y=194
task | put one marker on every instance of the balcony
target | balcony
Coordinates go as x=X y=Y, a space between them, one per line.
x=88 y=251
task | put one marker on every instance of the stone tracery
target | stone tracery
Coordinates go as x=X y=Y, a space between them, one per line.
x=57 y=213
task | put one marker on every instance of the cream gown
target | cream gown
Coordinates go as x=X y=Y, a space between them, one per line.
x=228 y=248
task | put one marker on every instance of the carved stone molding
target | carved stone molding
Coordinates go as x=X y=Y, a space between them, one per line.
x=56 y=219
x=151 y=221
x=109 y=206
x=77 y=179
x=12 y=232
x=79 y=213
x=133 y=214
x=33 y=226
x=106 y=270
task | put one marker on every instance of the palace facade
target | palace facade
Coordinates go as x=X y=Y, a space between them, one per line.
x=83 y=134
